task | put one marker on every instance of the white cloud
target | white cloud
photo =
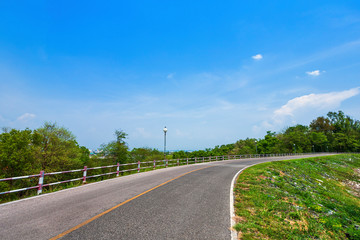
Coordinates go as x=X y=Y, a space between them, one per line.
x=170 y=76
x=257 y=57
x=142 y=133
x=322 y=101
x=314 y=73
x=304 y=108
x=26 y=117
x=226 y=105
x=180 y=133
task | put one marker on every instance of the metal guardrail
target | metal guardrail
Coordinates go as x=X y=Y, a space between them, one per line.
x=146 y=165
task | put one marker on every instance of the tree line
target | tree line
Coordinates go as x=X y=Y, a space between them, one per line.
x=53 y=148
x=336 y=132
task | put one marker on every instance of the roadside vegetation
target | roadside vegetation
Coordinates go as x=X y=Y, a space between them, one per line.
x=336 y=132
x=316 y=198
x=53 y=148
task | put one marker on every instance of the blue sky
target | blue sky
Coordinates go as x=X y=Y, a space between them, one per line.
x=213 y=72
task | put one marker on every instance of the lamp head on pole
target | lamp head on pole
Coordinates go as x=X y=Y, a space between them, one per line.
x=165 y=129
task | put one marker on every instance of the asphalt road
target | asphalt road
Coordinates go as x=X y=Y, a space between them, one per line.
x=195 y=205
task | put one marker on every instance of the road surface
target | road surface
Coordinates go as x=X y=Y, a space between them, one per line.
x=186 y=202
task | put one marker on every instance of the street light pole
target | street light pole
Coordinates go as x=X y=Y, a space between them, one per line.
x=256 y=146
x=165 y=130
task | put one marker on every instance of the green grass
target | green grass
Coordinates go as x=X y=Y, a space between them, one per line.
x=300 y=199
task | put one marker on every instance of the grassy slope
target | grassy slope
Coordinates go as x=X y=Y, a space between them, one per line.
x=300 y=199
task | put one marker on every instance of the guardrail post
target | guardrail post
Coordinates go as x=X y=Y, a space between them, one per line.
x=154 y=164
x=117 y=169
x=41 y=182
x=187 y=161
x=138 y=166
x=203 y=159
x=166 y=163
x=84 y=174
x=178 y=163
x=195 y=159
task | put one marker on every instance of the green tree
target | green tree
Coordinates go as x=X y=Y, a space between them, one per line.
x=56 y=148
x=319 y=141
x=342 y=132
x=298 y=135
x=247 y=146
x=322 y=124
x=270 y=144
x=145 y=154
x=17 y=156
x=85 y=155
x=224 y=149
x=116 y=150
x=180 y=154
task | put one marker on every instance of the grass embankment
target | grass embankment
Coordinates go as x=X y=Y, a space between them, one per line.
x=316 y=198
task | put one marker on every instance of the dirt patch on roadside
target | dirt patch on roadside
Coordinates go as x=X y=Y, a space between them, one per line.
x=355 y=186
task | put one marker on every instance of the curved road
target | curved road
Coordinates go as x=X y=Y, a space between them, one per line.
x=187 y=202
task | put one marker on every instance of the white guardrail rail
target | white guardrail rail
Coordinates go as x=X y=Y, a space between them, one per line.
x=140 y=166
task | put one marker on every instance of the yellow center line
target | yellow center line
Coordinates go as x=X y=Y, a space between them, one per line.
x=120 y=204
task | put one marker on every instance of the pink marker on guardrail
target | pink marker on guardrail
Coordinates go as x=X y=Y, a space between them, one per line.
x=41 y=182
x=42 y=174
x=84 y=174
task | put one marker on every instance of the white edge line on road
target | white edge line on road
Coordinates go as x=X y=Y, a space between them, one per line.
x=232 y=209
